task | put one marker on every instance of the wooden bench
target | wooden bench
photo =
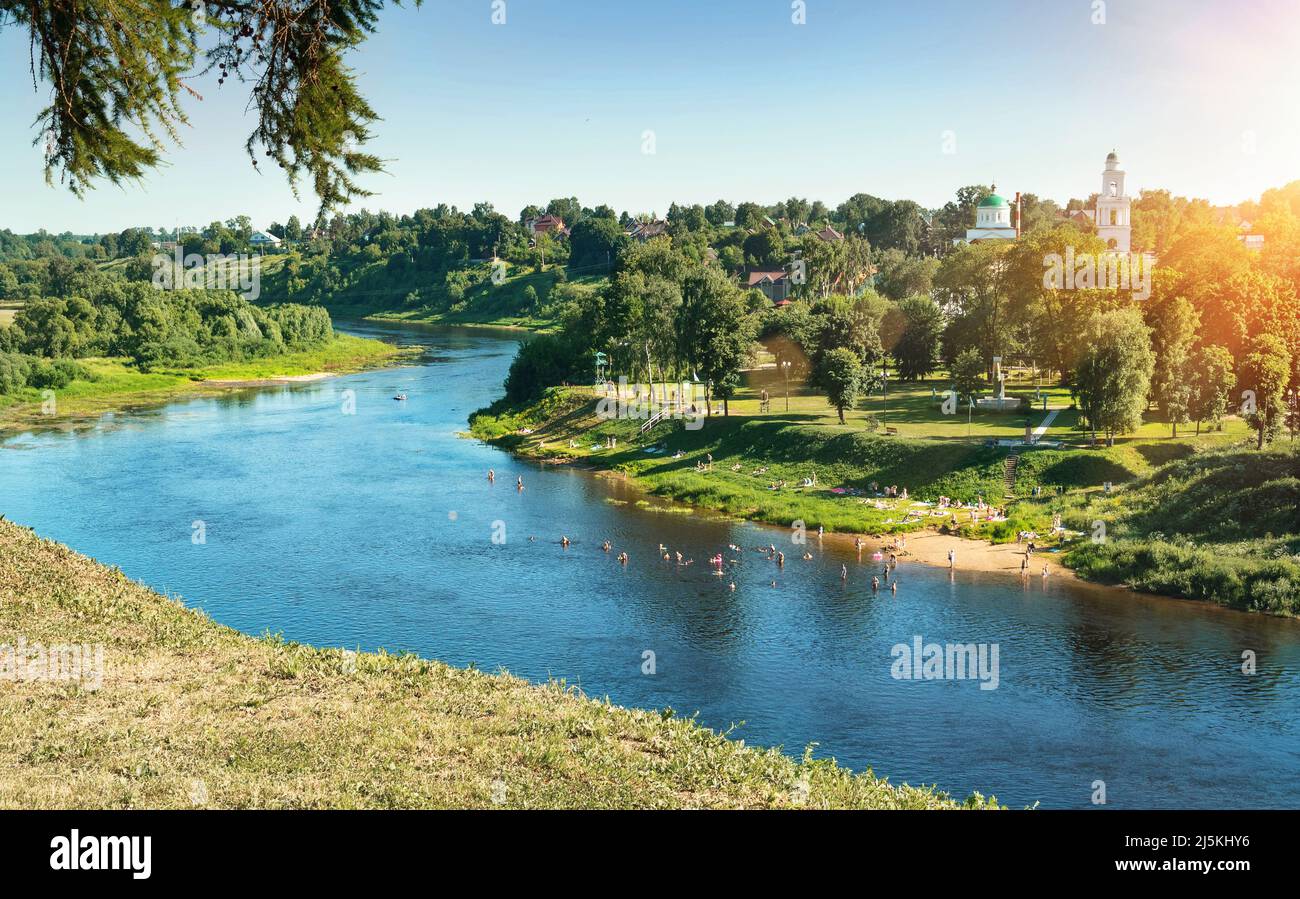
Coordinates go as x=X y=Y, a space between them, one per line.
x=891 y=432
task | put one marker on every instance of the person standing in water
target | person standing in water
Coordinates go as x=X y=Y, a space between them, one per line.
x=492 y=476
x=519 y=483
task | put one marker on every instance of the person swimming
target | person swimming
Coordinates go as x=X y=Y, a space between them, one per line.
x=605 y=546
x=622 y=558
x=519 y=483
x=564 y=541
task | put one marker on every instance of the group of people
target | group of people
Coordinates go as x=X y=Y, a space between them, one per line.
x=892 y=490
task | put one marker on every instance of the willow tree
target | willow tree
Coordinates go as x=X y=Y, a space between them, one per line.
x=119 y=74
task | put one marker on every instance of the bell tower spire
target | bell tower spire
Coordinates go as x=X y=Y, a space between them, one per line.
x=1114 y=207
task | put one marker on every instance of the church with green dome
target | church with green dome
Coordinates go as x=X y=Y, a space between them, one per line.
x=992 y=220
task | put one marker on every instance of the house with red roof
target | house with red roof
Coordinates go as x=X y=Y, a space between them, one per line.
x=547 y=224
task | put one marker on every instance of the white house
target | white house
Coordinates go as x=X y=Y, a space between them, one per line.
x=262 y=240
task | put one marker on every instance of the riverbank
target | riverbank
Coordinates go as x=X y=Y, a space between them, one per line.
x=118 y=385
x=1163 y=531
x=175 y=711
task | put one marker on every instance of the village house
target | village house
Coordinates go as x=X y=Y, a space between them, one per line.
x=547 y=224
x=643 y=231
x=775 y=285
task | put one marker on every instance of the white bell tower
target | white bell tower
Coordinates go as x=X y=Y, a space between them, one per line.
x=1114 y=226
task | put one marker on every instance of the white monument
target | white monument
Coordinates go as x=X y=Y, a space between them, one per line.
x=999 y=402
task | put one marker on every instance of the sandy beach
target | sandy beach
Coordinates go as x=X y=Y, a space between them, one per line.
x=931 y=548
x=271 y=382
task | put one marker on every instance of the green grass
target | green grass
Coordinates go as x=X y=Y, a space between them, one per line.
x=193 y=714
x=371 y=292
x=925 y=456
x=117 y=381
x=1221 y=525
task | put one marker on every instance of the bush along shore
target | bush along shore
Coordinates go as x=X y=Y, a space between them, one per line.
x=1212 y=522
x=117 y=697
x=98 y=385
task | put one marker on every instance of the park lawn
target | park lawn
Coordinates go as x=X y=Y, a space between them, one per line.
x=931 y=455
x=192 y=714
x=8 y=310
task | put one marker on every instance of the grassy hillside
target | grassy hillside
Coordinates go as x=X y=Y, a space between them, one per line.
x=193 y=714
x=751 y=453
x=1221 y=525
x=509 y=296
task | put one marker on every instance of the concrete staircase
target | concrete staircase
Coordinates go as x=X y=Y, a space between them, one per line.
x=1009 y=475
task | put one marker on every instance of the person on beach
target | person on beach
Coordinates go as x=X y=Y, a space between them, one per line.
x=1024 y=564
x=1044 y=572
x=952 y=558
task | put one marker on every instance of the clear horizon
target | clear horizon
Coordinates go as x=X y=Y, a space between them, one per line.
x=744 y=105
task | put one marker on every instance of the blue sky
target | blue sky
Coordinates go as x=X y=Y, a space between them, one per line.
x=1199 y=96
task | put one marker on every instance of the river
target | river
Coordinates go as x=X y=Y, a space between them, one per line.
x=376 y=529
